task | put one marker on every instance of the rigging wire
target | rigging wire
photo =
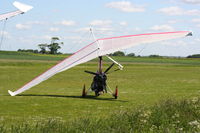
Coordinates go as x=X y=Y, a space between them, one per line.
x=142 y=49
x=82 y=39
x=3 y=33
x=110 y=30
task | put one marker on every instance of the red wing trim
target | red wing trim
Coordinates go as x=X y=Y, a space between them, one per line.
x=143 y=35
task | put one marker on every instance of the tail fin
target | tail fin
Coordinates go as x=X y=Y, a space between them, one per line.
x=22 y=7
x=11 y=93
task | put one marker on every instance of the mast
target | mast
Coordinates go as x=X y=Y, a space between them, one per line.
x=100 y=57
x=100 y=64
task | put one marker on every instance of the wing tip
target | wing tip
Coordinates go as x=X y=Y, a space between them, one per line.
x=190 y=33
x=11 y=93
x=22 y=7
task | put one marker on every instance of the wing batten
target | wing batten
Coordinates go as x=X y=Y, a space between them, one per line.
x=100 y=47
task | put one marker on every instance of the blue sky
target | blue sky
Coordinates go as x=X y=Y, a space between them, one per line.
x=70 y=21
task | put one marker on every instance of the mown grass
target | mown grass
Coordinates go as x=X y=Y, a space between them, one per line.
x=46 y=57
x=143 y=82
x=29 y=56
x=168 y=116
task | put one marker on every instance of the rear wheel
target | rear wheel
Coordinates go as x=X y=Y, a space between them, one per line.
x=116 y=92
x=84 y=91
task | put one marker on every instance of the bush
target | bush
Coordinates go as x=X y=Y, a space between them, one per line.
x=194 y=56
x=28 y=50
x=154 y=56
x=167 y=116
x=118 y=53
x=131 y=55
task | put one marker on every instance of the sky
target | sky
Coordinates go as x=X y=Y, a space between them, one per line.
x=70 y=20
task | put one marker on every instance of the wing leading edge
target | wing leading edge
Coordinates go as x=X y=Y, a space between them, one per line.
x=100 y=47
x=22 y=8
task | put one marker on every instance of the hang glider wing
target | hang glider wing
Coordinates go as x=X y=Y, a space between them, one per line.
x=22 y=8
x=100 y=47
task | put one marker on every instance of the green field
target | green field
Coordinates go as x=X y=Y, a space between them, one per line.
x=142 y=83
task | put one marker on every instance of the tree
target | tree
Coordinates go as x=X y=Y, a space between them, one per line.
x=154 y=56
x=35 y=51
x=43 y=48
x=131 y=55
x=55 y=45
x=118 y=53
x=28 y=50
x=194 y=56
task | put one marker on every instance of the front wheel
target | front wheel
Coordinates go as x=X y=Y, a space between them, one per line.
x=96 y=93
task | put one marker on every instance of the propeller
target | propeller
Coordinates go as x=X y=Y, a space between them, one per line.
x=106 y=71
x=109 y=67
x=91 y=72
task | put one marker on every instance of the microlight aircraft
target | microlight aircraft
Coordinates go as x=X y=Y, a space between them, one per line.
x=22 y=8
x=99 y=48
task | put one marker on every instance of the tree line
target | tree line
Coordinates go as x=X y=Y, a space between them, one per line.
x=55 y=45
x=45 y=48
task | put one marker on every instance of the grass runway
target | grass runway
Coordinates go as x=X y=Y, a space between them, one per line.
x=143 y=82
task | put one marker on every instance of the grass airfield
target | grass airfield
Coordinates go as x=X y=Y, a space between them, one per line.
x=143 y=82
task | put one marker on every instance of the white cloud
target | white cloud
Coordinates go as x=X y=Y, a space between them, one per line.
x=25 y=40
x=123 y=23
x=85 y=29
x=191 y=1
x=67 y=23
x=197 y=40
x=174 y=10
x=73 y=37
x=36 y=23
x=53 y=29
x=171 y=10
x=196 y=20
x=174 y=43
x=101 y=23
x=5 y=34
x=198 y=25
x=164 y=27
x=172 y=21
x=125 y=6
x=194 y=12
x=29 y=24
x=137 y=29
x=104 y=31
x=22 y=26
x=46 y=37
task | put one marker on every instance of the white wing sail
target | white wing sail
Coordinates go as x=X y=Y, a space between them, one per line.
x=110 y=45
x=100 y=47
x=22 y=8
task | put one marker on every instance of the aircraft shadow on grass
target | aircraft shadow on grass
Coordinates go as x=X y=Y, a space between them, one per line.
x=77 y=97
